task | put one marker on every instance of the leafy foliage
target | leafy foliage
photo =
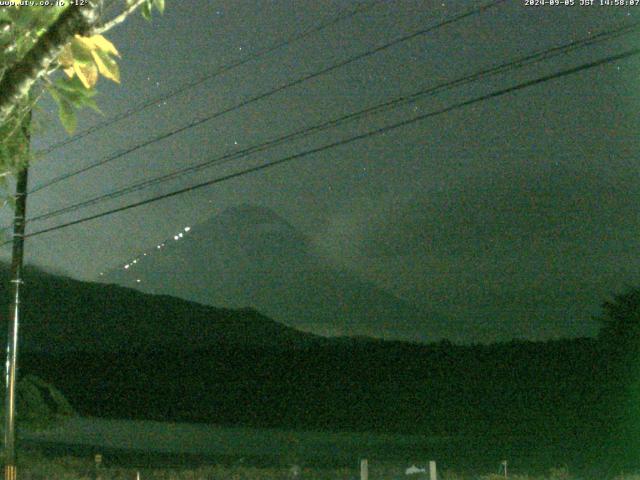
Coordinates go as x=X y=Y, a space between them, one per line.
x=20 y=28
x=620 y=322
x=39 y=404
x=149 y=5
x=83 y=60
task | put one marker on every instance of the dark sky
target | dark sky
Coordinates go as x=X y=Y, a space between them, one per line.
x=516 y=216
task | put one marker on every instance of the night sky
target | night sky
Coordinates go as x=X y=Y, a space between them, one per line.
x=514 y=217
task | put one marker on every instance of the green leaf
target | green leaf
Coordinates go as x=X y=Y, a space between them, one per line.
x=145 y=10
x=60 y=95
x=68 y=116
x=5 y=15
x=159 y=5
x=22 y=17
x=73 y=91
x=81 y=52
x=74 y=86
x=70 y=95
x=11 y=201
x=91 y=103
x=66 y=111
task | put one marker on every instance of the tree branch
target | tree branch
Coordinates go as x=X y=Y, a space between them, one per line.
x=18 y=80
x=119 y=19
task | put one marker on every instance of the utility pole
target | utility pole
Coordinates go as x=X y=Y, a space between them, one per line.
x=10 y=471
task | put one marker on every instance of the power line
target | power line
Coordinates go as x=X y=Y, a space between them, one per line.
x=362 y=7
x=269 y=93
x=370 y=133
x=520 y=62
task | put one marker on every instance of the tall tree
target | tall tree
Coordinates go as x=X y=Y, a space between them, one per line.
x=620 y=323
x=619 y=338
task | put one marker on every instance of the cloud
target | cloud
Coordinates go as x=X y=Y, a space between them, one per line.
x=519 y=254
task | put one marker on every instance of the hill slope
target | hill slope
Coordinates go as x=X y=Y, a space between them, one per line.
x=116 y=352
x=61 y=314
x=250 y=256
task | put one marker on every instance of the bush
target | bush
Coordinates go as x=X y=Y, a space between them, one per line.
x=38 y=403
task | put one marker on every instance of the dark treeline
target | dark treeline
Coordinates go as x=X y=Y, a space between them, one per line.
x=517 y=388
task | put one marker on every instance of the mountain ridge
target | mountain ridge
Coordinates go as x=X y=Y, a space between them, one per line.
x=63 y=314
x=251 y=256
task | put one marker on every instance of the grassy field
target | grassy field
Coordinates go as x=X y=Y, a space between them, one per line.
x=150 y=446
x=37 y=467
x=180 y=442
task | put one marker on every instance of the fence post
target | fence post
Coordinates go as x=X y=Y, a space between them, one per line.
x=433 y=474
x=364 y=469
x=98 y=464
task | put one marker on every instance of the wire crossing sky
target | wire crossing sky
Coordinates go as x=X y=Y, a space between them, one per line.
x=516 y=63
x=273 y=91
x=498 y=214
x=219 y=71
x=380 y=131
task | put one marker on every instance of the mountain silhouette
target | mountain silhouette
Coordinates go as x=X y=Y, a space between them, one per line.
x=62 y=314
x=250 y=256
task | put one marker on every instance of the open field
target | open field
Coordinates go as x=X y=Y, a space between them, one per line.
x=146 y=444
x=233 y=444
x=37 y=467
